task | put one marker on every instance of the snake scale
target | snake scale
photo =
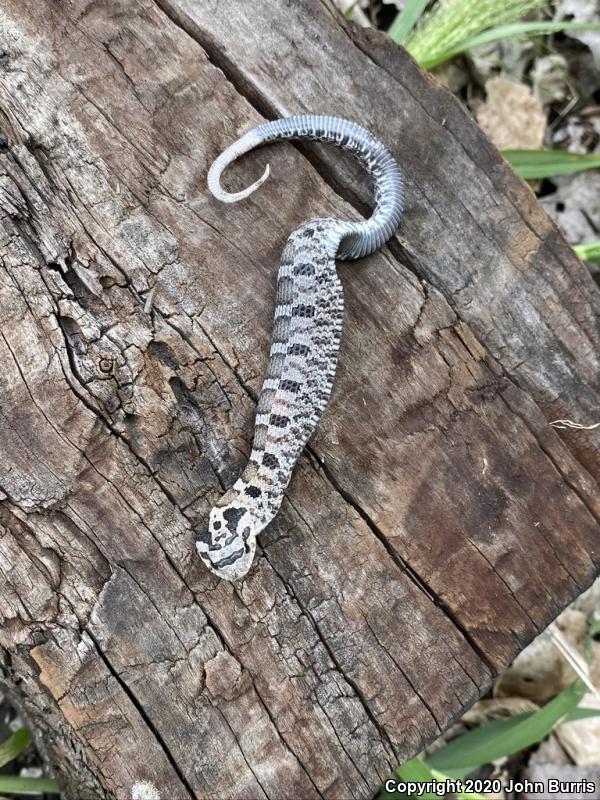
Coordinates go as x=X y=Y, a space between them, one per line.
x=306 y=333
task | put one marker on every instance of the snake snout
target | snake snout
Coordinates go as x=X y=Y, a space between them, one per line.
x=231 y=561
x=227 y=548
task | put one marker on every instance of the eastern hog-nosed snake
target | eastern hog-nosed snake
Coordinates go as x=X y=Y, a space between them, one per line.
x=306 y=334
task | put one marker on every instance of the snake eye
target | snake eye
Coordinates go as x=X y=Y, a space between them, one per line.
x=217 y=525
x=245 y=534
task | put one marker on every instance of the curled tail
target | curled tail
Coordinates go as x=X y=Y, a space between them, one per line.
x=359 y=238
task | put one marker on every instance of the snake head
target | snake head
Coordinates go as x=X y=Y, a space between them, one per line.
x=228 y=547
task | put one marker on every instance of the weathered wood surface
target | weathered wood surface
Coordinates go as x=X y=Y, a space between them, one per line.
x=437 y=522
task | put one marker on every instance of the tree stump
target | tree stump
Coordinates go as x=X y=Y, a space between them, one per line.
x=437 y=521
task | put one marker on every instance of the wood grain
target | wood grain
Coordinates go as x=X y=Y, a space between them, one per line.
x=436 y=522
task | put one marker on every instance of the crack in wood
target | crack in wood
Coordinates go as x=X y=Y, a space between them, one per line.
x=143 y=714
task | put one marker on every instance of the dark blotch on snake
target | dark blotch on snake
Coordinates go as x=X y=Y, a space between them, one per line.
x=270 y=461
x=304 y=270
x=289 y=386
x=298 y=350
x=303 y=311
x=232 y=517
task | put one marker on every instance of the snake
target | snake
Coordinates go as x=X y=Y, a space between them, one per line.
x=306 y=332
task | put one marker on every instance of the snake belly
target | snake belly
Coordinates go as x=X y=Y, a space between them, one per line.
x=306 y=337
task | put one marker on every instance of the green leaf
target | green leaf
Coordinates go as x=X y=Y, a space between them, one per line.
x=13 y=746
x=417 y=770
x=531 y=164
x=442 y=777
x=407 y=19
x=582 y=713
x=507 y=31
x=503 y=737
x=589 y=252
x=15 y=785
x=491 y=732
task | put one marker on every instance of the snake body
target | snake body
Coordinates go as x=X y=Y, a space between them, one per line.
x=306 y=334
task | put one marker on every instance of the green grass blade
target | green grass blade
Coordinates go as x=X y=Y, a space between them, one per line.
x=507 y=31
x=491 y=741
x=15 y=785
x=449 y=23
x=407 y=19
x=530 y=164
x=13 y=746
x=503 y=737
x=417 y=770
x=582 y=713
x=491 y=731
x=589 y=252
x=442 y=778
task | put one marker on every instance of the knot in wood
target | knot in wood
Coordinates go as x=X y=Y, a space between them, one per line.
x=225 y=678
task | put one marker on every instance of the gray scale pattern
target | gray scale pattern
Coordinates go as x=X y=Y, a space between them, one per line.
x=306 y=334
